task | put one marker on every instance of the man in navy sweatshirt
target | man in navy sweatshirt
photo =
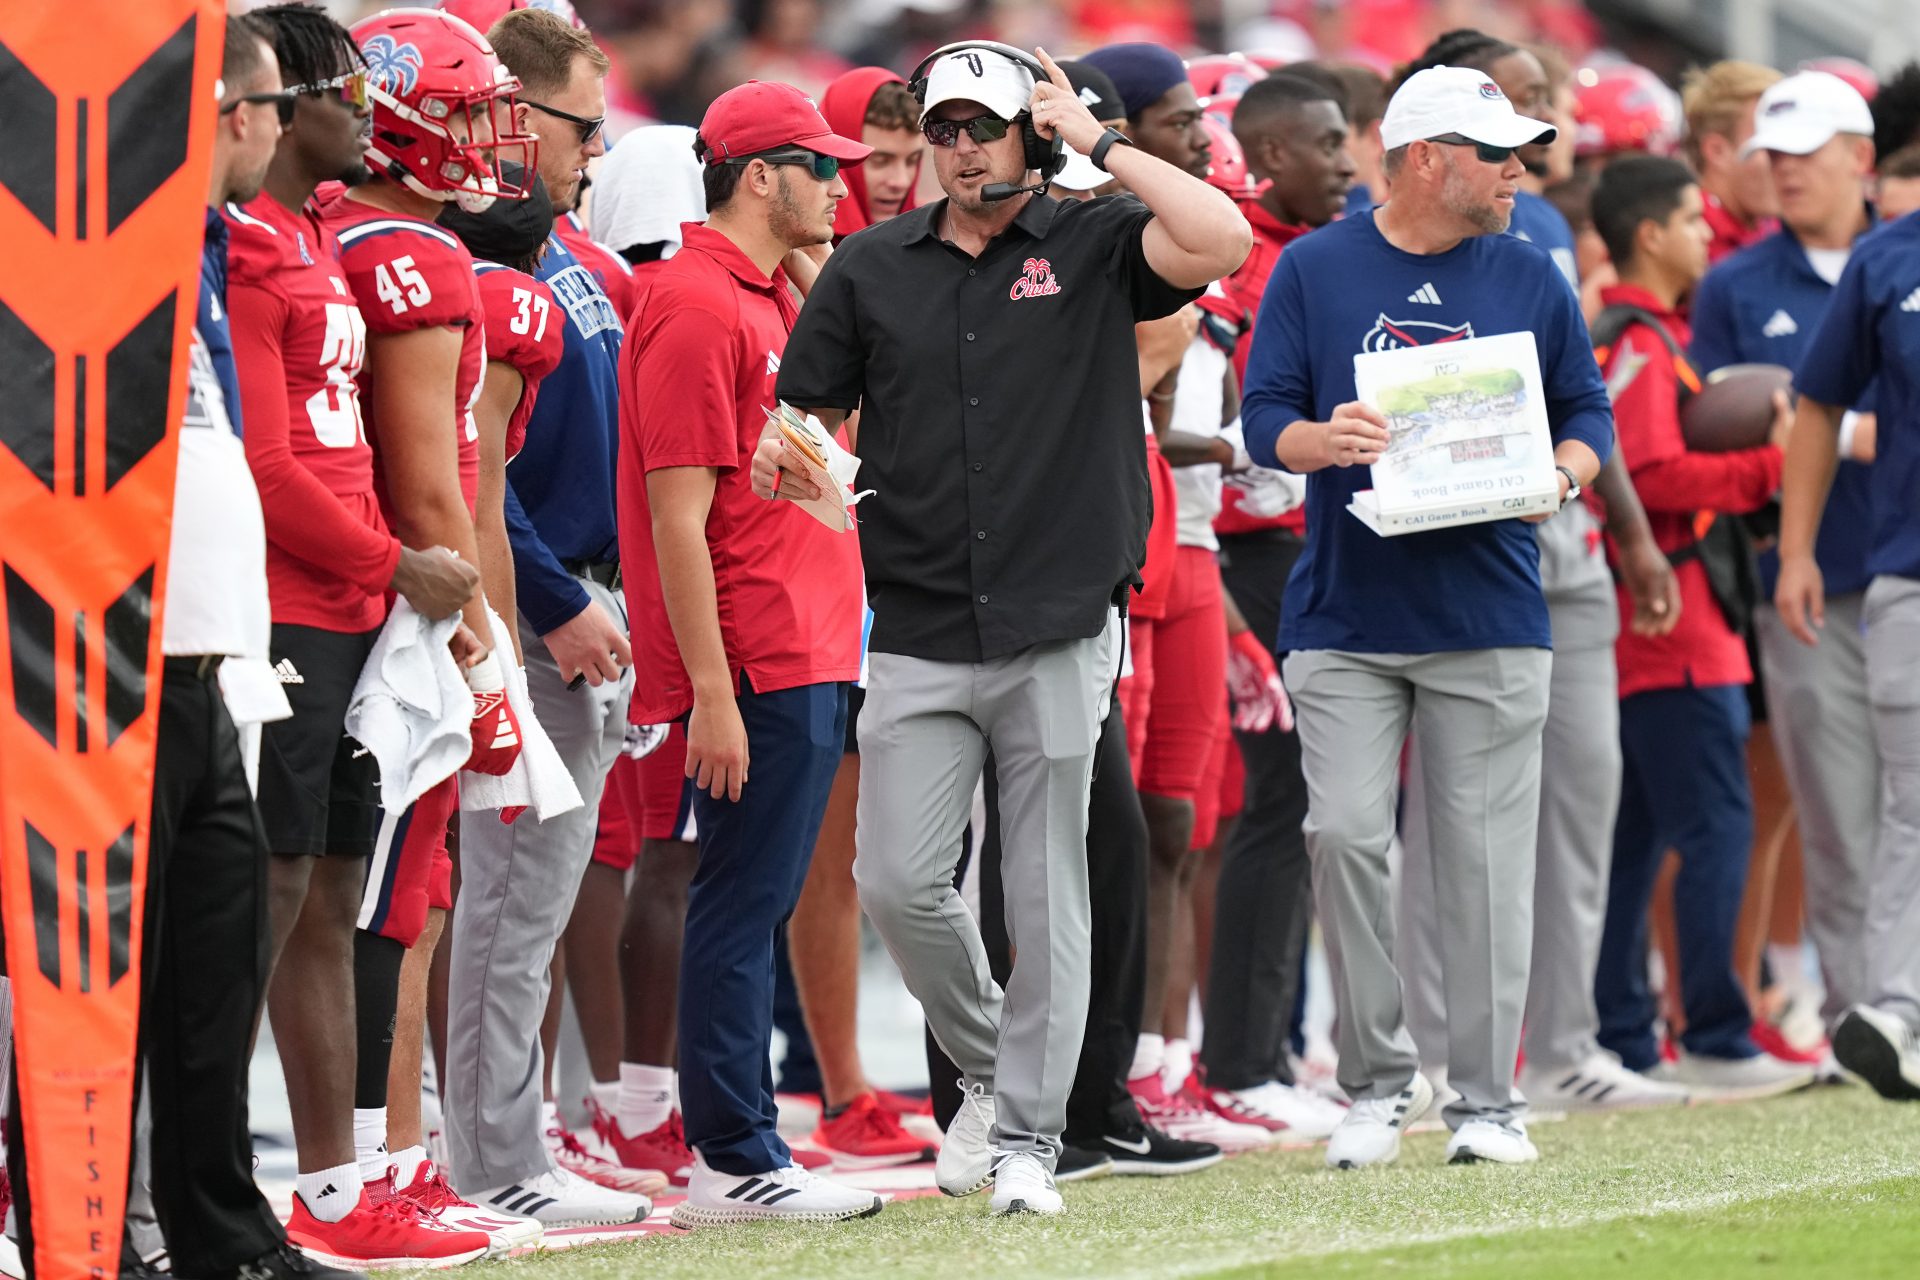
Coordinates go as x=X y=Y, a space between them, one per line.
x=1445 y=630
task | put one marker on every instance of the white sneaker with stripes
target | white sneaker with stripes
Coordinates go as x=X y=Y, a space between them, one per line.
x=561 y=1199
x=1600 y=1083
x=716 y=1199
x=1370 y=1133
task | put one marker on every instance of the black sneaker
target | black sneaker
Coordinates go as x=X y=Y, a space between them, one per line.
x=284 y=1262
x=1077 y=1164
x=1146 y=1151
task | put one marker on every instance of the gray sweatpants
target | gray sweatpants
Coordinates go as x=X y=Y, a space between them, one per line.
x=1892 y=617
x=1580 y=774
x=1478 y=715
x=1817 y=708
x=924 y=734
x=517 y=886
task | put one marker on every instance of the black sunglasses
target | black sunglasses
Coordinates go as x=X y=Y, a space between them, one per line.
x=283 y=103
x=589 y=129
x=1485 y=150
x=946 y=133
x=825 y=168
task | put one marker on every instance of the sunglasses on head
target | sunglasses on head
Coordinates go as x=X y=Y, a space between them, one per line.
x=351 y=86
x=589 y=128
x=984 y=128
x=1485 y=150
x=825 y=168
x=282 y=102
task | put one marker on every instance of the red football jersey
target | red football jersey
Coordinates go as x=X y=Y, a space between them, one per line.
x=409 y=274
x=298 y=341
x=614 y=272
x=526 y=330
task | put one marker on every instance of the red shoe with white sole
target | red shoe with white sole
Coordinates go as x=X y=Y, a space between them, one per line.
x=664 y=1149
x=391 y=1232
x=868 y=1136
x=435 y=1197
x=572 y=1155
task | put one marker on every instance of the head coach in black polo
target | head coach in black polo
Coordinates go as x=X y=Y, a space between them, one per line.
x=987 y=341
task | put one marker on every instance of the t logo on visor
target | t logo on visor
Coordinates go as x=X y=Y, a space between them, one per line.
x=1488 y=89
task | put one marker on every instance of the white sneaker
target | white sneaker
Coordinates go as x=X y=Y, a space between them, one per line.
x=965 y=1163
x=558 y=1198
x=1289 y=1112
x=1734 y=1079
x=1370 y=1131
x=791 y=1194
x=1021 y=1184
x=1600 y=1083
x=1493 y=1142
x=1881 y=1049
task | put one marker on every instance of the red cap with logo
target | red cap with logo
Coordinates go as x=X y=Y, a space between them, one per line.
x=764 y=116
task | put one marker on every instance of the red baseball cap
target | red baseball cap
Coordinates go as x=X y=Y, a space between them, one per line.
x=763 y=115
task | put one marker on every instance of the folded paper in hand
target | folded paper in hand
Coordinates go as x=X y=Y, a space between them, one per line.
x=814 y=453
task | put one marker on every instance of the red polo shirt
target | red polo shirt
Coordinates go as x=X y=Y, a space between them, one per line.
x=1681 y=491
x=697 y=374
x=1243 y=289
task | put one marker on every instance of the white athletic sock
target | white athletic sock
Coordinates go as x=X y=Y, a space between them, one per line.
x=549 y=1115
x=370 y=1142
x=1148 y=1056
x=406 y=1165
x=646 y=1098
x=1788 y=960
x=330 y=1194
x=1177 y=1065
x=607 y=1094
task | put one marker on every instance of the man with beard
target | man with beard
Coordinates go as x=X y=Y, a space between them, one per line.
x=1444 y=631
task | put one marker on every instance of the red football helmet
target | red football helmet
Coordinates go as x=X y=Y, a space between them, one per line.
x=1858 y=74
x=442 y=108
x=1223 y=75
x=1622 y=106
x=1228 y=169
x=482 y=14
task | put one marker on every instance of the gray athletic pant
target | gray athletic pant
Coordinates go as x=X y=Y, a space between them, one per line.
x=924 y=734
x=1892 y=617
x=1818 y=711
x=1580 y=774
x=1479 y=716
x=517 y=886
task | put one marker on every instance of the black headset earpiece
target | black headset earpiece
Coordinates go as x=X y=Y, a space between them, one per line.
x=1046 y=156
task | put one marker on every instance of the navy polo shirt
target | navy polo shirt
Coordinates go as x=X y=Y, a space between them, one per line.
x=1762 y=306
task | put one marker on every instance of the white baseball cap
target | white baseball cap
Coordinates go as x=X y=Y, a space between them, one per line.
x=1802 y=113
x=1443 y=100
x=993 y=80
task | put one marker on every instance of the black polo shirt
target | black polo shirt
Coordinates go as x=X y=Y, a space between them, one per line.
x=1000 y=424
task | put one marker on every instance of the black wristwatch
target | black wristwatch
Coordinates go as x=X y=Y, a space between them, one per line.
x=1107 y=142
x=1573 y=484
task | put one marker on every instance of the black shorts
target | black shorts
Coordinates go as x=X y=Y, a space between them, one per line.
x=319 y=792
x=856 y=698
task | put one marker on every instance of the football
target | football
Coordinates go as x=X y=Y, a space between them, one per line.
x=1734 y=410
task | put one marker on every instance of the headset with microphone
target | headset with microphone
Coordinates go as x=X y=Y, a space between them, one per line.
x=1048 y=156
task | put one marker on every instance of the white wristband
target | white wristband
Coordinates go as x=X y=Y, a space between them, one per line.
x=1849 y=426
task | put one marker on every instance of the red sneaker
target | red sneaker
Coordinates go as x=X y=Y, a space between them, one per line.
x=1772 y=1040
x=904 y=1104
x=434 y=1196
x=810 y=1160
x=664 y=1149
x=385 y=1232
x=570 y=1154
x=868 y=1136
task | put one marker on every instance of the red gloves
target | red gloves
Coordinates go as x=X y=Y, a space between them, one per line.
x=1260 y=701
x=496 y=733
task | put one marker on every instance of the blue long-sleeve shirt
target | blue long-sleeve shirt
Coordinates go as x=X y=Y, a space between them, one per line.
x=1762 y=306
x=559 y=499
x=1344 y=290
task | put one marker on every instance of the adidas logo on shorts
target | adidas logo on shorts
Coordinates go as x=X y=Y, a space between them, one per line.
x=287 y=672
x=1911 y=302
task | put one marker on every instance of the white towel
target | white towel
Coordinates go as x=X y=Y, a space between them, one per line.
x=647 y=186
x=412 y=708
x=539 y=780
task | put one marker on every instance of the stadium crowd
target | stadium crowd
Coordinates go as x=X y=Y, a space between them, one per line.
x=531 y=631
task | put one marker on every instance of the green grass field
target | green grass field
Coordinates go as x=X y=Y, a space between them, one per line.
x=1826 y=1183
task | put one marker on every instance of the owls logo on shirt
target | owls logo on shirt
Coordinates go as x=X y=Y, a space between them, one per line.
x=1392 y=335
